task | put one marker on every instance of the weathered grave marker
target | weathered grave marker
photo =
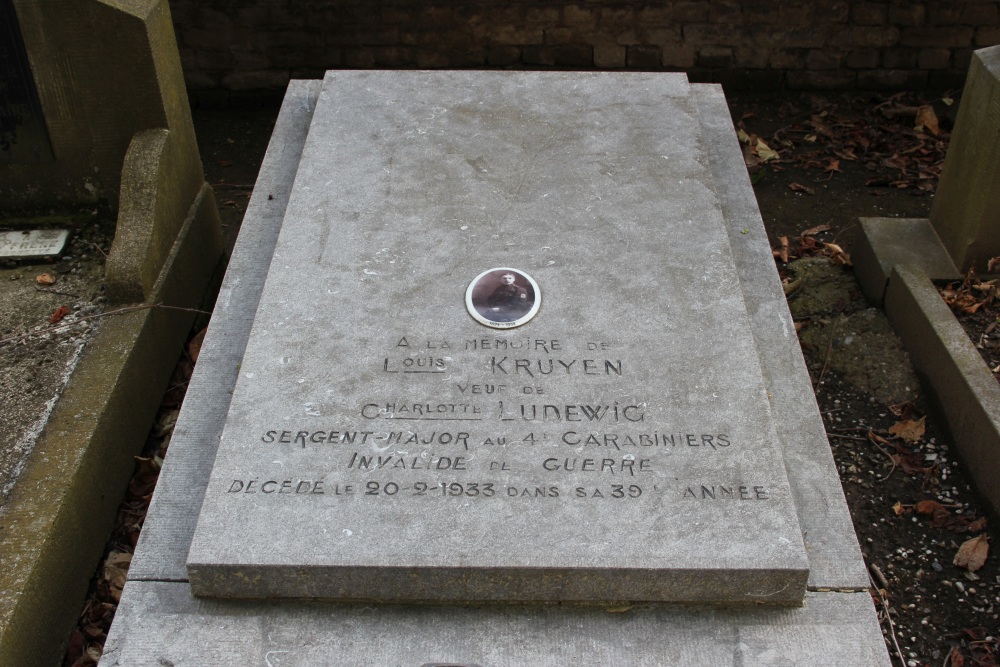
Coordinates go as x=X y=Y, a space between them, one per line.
x=33 y=243
x=385 y=443
x=967 y=200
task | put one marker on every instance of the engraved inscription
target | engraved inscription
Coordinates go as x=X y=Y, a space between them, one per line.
x=545 y=462
x=726 y=492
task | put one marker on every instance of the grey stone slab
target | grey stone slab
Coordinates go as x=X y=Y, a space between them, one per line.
x=157 y=620
x=364 y=455
x=166 y=535
x=835 y=560
x=161 y=623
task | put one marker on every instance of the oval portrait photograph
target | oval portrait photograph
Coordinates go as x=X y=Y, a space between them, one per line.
x=503 y=298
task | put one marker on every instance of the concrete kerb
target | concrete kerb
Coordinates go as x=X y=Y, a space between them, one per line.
x=962 y=385
x=888 y=242
x=63 y=507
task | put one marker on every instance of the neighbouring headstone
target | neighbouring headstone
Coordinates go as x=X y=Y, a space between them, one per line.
x=502 y=353
x=966 y=211
x=103 y=71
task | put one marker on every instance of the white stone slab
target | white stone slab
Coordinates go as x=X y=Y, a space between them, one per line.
x=33 y=243
x=410 y=186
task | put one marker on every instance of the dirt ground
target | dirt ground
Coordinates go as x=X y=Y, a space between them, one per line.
x=832 y=159
x=50 y=300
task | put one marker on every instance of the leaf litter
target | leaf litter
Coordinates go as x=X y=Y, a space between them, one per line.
x=923 y=535
x=901 y=140
x=975 y=302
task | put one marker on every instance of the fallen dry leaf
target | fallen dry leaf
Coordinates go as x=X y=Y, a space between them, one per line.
x=116 y=571
x=910 y=430
x=898 y=509
x=60 y=312
x=816 y=230
x=147 y=471
x=875 y=437
x=901 y=410
x=972 y=554
x=194 y=345
x=765 y=152
x=927 y=119
x=977 y=525
x=782 y=252
x=798 y=187
x=45 y=279
x=929 y=507
x=837 y=254
x=911 y=464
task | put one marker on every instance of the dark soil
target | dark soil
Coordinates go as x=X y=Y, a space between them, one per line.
x=47 y=306
x=841 y=157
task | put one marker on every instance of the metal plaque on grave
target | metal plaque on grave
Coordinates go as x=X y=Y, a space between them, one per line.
x=385 y=443
x=23 y=135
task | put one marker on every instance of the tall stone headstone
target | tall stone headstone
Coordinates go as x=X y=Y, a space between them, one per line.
x=502 y=354
x=104 y=70
x=966 y=210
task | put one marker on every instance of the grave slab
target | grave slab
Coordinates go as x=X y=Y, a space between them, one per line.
x=382 y=443
x=159 y=620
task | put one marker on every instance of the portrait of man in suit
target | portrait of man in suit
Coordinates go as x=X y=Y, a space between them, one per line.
x=503 y=298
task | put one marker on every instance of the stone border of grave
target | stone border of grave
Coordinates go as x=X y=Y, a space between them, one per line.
x=898 y=260
x=64 y=502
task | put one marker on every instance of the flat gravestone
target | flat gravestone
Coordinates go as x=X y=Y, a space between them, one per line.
x=501 y=354
x=33 y=242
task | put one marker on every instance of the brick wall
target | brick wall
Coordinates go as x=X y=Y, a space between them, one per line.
x=798 y=44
